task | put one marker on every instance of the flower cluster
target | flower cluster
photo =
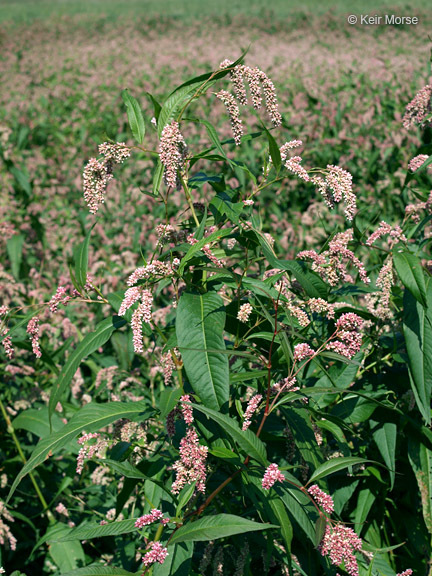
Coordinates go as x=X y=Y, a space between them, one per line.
x=244 y=312
x=259 y=84
x=250 y=410
x=140 y=315
x=234 y=114
x=335 y=187
x=148 y=519
x=33 y=332
x=89 y=449
x=406 y=572
x=417 y=162
x=187 y=409
x=348 y=335
x=395 y=234
x=339 y=543
x=192 y=464
x=60 y=297
x=155 y=269
x=302 y=351
x=172 y=153
x=271 y=476
x=419 y=109
x=322 y=498
x=379 y=302
x=5 y=532
x=98 y=173
x=157 y=553
x=331 y=264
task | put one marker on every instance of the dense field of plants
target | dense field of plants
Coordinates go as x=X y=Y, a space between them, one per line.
x=215 y=297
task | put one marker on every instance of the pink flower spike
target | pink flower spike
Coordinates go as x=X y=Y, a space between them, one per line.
x=302 y=351
x=187 y=409
x=406 y=572
x=322 y=498
x=147 y=519
x=272 y=475
x=157 y=553
x=250 y=410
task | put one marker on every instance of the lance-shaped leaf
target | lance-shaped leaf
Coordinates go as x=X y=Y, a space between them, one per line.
x=92 y=530
x=91 y=417
x=411 y=273
x=81 y=260
x=219 y=526
x=420 y=458
x=418 y=337
x=99 y=571
x=199 y=326
x=385 y=438
x=135 y=116
x=334 y=465
x=244 y=438
x=87 y=346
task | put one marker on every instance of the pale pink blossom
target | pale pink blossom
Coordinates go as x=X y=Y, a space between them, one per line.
x=272 y=475
x=233 y=113
x=419 y=109
x=322 y=498
x=172 y=153
x=33 y=332
x=192 y=464
x=157 y=553
x=147 y=519
x=187 y=409
x=251 y=408
x=244 y=312
x=339 y=543
x=302 y=351
x=417 y=162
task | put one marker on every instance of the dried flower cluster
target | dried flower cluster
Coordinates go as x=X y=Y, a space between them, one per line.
x=172 y=153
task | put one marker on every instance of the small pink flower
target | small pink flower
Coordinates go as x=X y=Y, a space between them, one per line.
x=272 y=475
x=33 y=331
x=321 y=498
x=244 y=312
x=187 y=409
x=302 y=351
x=157 y=553
x=250 y=410
x=147 y=519
x=339 y=543
x=406 y=572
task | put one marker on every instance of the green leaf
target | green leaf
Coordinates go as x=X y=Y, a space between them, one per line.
x=91 y=417
x=67 y=556
x=126 y=469
x=274 y=152
x=37 y=422
x=281 y=514
x=157 y=178
x=334 y=465
x=295 y=503
x=320 y=527
x=92 y=530
x=411 y=273
x=417 y=325
x=184 y=497
x=187 y=91
x=244 y=438
x=421 y=462
x=214 y=527
x=301 y=427
x=365 y=501
x=218 y=235
x=87 y=346
x=168 y=401
x=135 y=116
x=100 y=571
x=14 y=247
x=311 y=283
x=199 y=327
x=81 y=260
x=384 y=436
